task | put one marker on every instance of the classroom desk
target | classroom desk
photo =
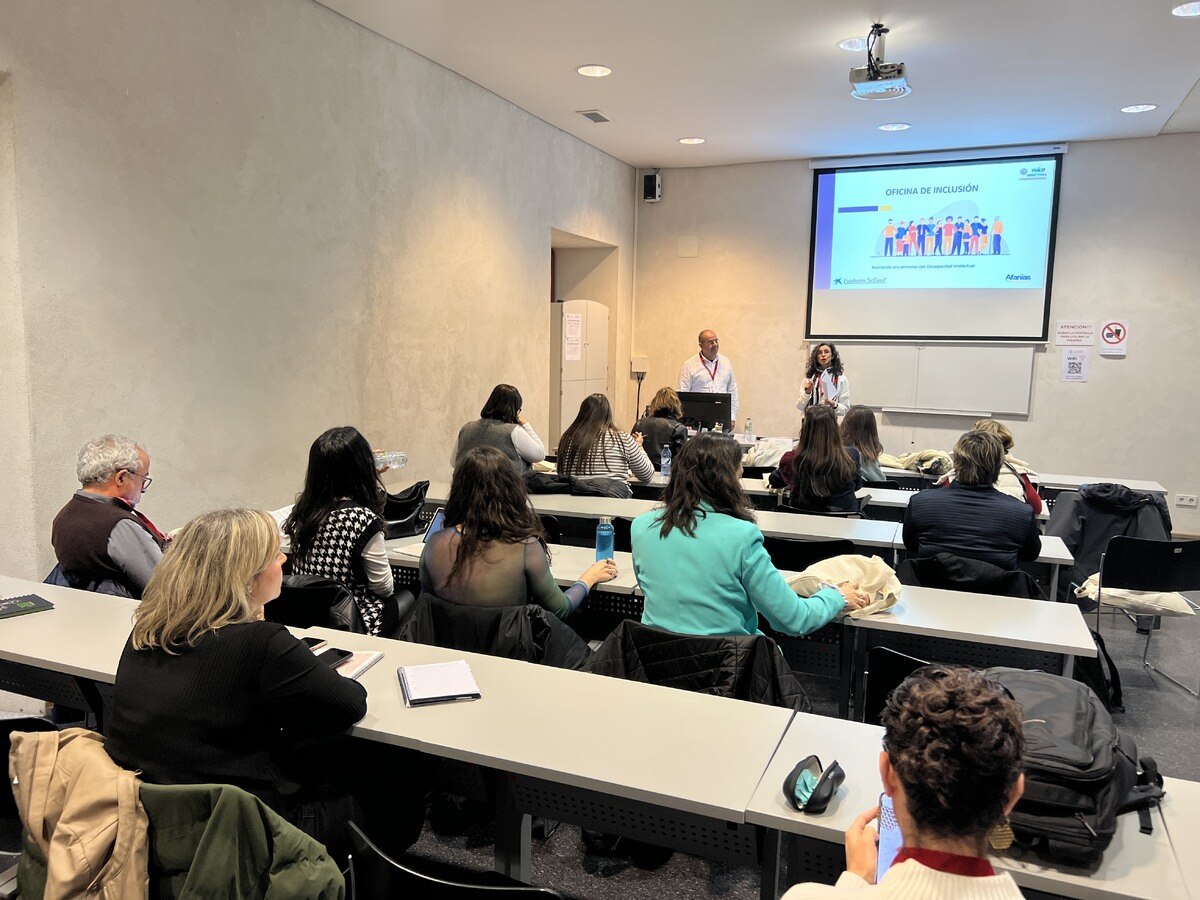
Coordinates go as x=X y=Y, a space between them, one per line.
x=1075 y=482
x=670 y=766
x=1181 y=813
x=1135 y=866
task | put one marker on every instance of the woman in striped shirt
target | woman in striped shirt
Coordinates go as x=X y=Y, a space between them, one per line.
x=593 y=446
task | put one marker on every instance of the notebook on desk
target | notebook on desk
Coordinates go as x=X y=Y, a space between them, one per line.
x=23 y=605
x=437 y=683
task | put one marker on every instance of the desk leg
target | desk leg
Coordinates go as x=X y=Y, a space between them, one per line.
x=769 y=885
x=1054 y=581
x=513 y=833
x=846 y=662
x=1069 y=665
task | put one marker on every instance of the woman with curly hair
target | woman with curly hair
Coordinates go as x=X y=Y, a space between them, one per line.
x=951 y=763
x=825 y=382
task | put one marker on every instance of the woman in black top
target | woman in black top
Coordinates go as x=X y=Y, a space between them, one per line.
x=209 y=693
x=662 y=427
x=822 y=474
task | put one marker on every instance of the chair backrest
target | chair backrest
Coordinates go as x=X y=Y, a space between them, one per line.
x=796 y=556
x=553 y=529
x=10 y=819
x=883 y=485
x=756 y=471
x=885 y=670
x=621 y=539
x=857 y=513
x=402 y=511
x=305 y=601
x=1145 y=565
x=374 y=874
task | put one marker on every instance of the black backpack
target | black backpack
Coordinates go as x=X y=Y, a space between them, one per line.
x=1081 y=770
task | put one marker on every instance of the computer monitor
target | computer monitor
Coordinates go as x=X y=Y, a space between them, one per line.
x=704 y=410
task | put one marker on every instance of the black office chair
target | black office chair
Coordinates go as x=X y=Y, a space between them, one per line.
x=553 y=529
x=376 y=876
x=308 y=601
x=756 y=471
x=883 y=485
x=402 y=511
x=1139 y=564
x=796 y=556
x=885 y=670
x=786 y=506
x=10 y=818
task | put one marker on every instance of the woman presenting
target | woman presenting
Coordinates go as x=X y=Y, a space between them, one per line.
x=825 y=384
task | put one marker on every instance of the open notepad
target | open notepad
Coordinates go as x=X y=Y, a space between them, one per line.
x=437 y=683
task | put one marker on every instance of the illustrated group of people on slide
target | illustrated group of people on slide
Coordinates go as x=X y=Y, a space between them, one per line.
x=942 y=237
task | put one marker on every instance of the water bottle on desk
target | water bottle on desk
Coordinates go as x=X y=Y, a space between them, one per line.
x=390 y=459
x=605 y=539
x=748 y=432
x=665 y=463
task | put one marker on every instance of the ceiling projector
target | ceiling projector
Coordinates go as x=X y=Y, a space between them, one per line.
x=878 y=80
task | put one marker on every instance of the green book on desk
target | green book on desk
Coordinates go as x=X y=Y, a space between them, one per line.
x=20 y=606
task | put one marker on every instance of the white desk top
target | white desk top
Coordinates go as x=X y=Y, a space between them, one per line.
x=1181 y=813
x=676 y=749
x=566 y=564
x=1135 y=865
x=83 y=635
x=1055 y=551
x=985 y=619
x=1075 y=482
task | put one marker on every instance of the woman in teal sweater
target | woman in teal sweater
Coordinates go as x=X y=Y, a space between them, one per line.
x=700 y=560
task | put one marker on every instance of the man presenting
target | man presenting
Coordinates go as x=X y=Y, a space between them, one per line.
x=711 y=373
x=101 y=541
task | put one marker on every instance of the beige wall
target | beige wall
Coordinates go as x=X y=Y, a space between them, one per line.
x=244 y=221
x=1126 y=246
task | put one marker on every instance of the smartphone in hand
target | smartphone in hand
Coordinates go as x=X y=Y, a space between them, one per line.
x=890 y=839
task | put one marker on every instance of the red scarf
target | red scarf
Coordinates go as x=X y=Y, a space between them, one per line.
x=150 y=526
x=953 y=863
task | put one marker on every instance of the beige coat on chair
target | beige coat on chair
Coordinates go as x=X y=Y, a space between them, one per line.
x=81 y=814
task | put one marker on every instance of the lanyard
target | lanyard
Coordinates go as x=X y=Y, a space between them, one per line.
x=716 y=362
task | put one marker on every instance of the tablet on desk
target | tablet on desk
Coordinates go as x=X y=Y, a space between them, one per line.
x=436 y=524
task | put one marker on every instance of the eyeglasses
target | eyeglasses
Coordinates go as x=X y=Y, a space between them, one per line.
x=146 y=479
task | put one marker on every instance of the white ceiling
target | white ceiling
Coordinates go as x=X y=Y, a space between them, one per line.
x=763 y=79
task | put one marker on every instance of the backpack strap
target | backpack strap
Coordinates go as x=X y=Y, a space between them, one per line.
x=1145 y=794
x=1115 y=697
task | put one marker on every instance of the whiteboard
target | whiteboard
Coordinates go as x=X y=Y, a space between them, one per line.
x=971 y=379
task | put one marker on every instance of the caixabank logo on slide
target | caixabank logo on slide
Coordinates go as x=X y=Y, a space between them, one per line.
x=1032 y=172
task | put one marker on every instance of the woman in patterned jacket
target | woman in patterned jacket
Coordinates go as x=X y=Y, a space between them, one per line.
x=336 y=529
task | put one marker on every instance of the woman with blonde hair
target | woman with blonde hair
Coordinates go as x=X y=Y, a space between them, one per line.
x=662 y=427
x=860 y=432
x=207 y=692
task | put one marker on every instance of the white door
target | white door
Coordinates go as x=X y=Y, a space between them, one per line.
x=584 y=355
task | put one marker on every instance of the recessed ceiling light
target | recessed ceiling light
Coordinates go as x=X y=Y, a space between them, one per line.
x=1139 y=107
x=594 y=71
x=691 y=140
x=895 y=126
x=1186 y=9
x=853 y=44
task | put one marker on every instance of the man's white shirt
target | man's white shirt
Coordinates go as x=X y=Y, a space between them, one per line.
x=716 y=377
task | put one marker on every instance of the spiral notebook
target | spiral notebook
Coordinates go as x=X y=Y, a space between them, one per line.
x=23 y=605
x=437 y=683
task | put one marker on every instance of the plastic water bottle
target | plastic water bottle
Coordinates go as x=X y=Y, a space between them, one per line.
x=665 y=462
x=390 y=459
x=748 y=432
x=605 y=539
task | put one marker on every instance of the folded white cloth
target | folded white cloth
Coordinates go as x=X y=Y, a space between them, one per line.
x=875 y=578
x=1140 y=603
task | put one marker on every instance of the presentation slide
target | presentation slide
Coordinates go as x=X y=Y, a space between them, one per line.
x=937 y=250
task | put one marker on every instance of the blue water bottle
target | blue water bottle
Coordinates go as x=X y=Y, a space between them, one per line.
x=665 y=463
x=605 y=539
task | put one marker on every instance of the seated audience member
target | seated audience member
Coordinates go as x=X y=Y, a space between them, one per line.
x=501 y=425
x=951 y=764
x=821 y=474
x=492 y=550
x=208 y=692
x=592 y=445
x=98 y=536
x=859 y=432
x=662 y=427
x=336 y=530
x=969 y=517
x=1009 y=481
x=700 y=560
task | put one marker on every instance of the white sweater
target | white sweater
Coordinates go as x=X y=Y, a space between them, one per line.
x=910 y=880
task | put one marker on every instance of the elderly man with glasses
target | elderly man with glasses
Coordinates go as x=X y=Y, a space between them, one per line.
x=101 y=541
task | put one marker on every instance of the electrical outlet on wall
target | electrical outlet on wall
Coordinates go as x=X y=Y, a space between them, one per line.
x=1185 y=500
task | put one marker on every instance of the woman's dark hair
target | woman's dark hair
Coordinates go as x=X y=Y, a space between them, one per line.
x=340 y=465
x=812 y=370
x=584 y=435
x=955 y=741
x=705 y=470
x=503 y=404
x=821 y=466
x=488 y=503
x=860 y=432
